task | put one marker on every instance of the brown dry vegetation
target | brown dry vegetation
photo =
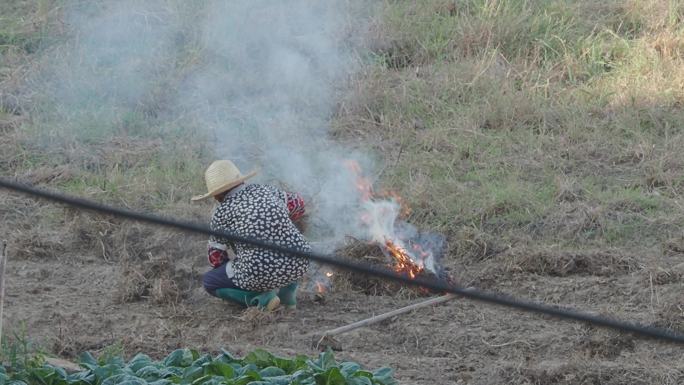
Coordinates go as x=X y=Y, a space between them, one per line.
x=544 y=139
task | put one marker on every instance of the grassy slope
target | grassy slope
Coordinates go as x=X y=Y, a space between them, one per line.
x=554 y=124
x=115 y=152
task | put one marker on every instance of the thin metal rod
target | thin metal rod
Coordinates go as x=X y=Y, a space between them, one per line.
x=384 y=316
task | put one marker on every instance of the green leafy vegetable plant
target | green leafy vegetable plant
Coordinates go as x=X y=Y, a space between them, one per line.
x=189 y=367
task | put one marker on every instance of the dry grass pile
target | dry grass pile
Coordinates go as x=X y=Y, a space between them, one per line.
x=660 y=275
x=552 y=263
x=154 y=278
x=669 y=312
x=39 y=243
x=582 y=372
x=27 y=226
x=674 y=246
x=48 y=174
x=566 y=263
x=156 y=264
x=255 y=318
x=604 y=344
x=473 y=244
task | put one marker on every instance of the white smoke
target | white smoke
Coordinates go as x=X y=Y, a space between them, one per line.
x=260 y=76
x=266 y=88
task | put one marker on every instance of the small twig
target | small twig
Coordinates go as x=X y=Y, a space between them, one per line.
x=3 y=259
x=506 y=343
x=104 y=252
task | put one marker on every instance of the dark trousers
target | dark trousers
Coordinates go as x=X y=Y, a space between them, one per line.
x=217 y=278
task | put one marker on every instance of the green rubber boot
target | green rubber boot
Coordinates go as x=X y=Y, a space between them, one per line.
x=262 y=300
x=288 y=295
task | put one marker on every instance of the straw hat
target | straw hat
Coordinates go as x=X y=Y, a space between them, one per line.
x=221 y=176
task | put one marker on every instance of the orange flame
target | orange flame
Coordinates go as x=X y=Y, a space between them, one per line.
x=363 y=184
x=322 y=284
x=404 y=263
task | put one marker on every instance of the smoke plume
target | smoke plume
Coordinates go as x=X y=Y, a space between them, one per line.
x=259 y=77
x=267 y=90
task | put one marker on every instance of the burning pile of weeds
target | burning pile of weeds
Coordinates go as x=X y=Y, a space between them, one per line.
x=389 y=241
x=154 y=278
x=368 y=254
x=372 y=255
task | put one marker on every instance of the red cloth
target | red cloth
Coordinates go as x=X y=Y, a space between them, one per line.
x=295 y=206
x=217 y=257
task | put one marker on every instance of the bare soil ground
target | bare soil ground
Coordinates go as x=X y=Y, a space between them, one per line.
x=69 y=303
